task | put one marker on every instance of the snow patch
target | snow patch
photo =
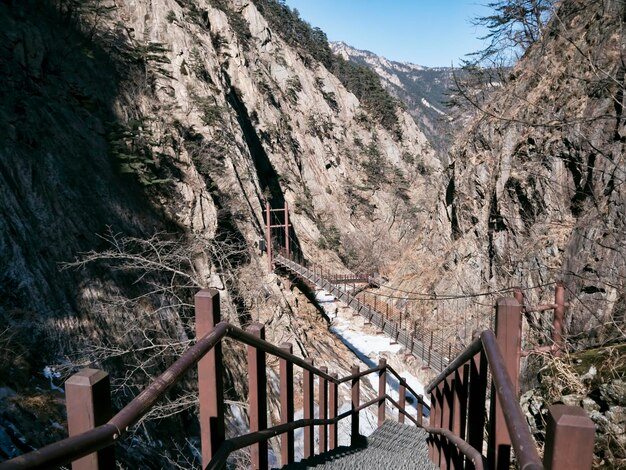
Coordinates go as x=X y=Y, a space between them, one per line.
x=366 y=347
x=428 y=105
x=322 y=296
x=51 y=373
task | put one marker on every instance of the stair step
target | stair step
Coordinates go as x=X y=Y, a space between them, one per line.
x=391 y=446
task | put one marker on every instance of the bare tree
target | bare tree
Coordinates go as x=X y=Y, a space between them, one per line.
x=513 y=26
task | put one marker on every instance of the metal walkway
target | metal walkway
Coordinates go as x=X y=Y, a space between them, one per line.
x=391 y=446
x=418 y=347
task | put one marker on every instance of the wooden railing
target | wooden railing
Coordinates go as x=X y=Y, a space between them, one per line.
x=461 y=393
x=457 y=424
x=93 y=432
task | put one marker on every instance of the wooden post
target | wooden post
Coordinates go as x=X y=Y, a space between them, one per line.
x=433 y=423
x=88 y=404
x=569 y=439
x=354 y=436
x=333 y=413
x=323 y=412
x=459 y=413
x=402 y=399
x=286 y=406
x=258 y=397
x=382 y=390
x=508 y=337
x=210 y=376
x=439 y=419
x=308 y=409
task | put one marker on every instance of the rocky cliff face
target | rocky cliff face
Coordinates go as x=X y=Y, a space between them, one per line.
x=424 y=90
x=177 y=118
x=534 y=191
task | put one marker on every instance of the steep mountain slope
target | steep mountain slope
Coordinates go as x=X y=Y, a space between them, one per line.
x=535 y=192
x=424 y=90
x=178 y=118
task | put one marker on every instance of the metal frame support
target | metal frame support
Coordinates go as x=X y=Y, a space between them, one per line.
x=509 y=339
x=210 y=376
x=269 y=227
x=354 y=434
x=559 y=318
x=287 y=229
x=286 y=405
x=268 y=235
x=258 y=397
x=382 y=390
x=88 y=404
x=307 y=383
x=322 y=398
x=333 y=402
x=570 y=437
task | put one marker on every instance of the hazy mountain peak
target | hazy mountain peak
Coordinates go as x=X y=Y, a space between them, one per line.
x=424 y=90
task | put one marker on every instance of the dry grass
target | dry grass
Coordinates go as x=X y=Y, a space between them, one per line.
x=47 y=406
x=560 y=378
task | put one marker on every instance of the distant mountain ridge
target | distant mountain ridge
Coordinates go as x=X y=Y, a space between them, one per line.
x=424 y=90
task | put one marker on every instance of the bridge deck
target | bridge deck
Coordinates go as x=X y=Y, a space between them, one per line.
x=418 y=348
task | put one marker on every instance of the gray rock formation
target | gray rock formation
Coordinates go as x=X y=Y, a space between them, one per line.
x=178 y=118
x=534 y=191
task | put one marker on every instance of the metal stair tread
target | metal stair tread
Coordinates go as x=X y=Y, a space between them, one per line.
x=392 y=445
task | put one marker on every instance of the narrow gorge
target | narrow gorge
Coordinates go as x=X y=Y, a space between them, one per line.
x=141 y=142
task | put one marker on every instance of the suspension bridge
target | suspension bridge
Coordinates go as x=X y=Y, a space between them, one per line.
x=472 y=420
x=433 y=346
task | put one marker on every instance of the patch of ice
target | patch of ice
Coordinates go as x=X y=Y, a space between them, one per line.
x=51 y=373
x=322 y=296
x=429 y=105
x=365 y=346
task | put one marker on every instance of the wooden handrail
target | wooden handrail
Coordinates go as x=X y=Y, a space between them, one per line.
x=469 y=352
x=351 y=377
x=521 y=438
x=245 y=440
x=457 y=394
x=72 y=448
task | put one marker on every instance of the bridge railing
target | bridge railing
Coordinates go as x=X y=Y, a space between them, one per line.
x=431 y=349
x=93 y=432
x=461 y=394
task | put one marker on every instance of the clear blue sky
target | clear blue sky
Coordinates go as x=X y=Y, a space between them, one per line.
x=426 y=32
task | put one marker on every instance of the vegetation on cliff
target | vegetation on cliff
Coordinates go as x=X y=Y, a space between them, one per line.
x=313 y=45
